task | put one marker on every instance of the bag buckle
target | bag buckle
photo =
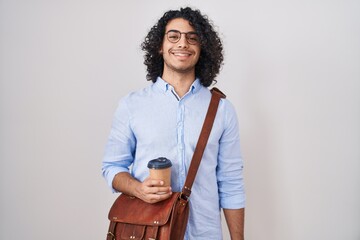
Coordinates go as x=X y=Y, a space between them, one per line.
x=183 y=197
x=110 y=234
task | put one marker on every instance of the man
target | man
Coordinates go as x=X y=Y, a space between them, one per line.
x=183 y=55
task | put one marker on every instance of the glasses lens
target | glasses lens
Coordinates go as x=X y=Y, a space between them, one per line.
x=192 y=38
x=173 y=36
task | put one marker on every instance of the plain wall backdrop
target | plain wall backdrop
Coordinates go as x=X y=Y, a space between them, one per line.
x=292 y=70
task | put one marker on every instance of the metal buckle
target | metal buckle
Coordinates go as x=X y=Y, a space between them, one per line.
x=112 y=235
x=183 y=197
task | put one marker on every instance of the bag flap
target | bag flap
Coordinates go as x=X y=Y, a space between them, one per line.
x=132 y=210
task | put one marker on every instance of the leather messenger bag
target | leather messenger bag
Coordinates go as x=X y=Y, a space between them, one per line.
x=133 y=219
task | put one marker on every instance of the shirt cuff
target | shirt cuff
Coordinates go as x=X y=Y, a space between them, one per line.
x=233 y=202
x=110 y=175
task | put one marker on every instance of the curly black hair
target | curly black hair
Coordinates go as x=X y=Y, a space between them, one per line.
x=211 y=55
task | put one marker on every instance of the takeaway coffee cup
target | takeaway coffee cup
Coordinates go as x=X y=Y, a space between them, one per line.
x=160 y=169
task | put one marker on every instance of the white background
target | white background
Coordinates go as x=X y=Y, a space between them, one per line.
x=292 y=70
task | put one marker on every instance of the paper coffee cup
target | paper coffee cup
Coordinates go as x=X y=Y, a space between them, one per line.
x=160 y=169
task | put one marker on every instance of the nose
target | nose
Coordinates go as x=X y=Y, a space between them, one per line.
x=182 y=43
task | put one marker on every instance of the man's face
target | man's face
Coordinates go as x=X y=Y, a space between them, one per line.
x=180 y=56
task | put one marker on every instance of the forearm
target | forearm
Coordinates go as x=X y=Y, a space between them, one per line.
x=125 y=183
x=235 y=221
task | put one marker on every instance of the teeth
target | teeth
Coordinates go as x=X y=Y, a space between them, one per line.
x=181 y=54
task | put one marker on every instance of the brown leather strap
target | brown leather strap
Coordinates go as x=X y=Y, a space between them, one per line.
x=201 y=144
x=111 y=232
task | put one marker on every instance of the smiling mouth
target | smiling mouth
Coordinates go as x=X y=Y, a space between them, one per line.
x=181 y=53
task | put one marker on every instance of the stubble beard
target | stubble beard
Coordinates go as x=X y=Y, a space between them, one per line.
x=181 y=70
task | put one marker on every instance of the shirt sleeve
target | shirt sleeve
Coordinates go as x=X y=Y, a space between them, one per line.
x=120 y=147
x=230 y=163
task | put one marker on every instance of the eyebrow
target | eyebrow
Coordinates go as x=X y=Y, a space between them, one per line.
x=175 y=30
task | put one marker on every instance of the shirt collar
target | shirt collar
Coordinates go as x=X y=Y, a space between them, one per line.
x=164 y=86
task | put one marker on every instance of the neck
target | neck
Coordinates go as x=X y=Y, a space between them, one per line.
x=180 y=82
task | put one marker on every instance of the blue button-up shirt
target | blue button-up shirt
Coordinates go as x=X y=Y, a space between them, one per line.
x=155 y=122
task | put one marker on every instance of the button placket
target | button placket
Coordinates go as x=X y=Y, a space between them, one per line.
x=180 y=144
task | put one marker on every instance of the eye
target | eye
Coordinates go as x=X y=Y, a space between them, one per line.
x=193 y=37
x=173 y=36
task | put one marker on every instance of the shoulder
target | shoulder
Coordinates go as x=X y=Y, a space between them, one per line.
x=225 y=104
x=227 y=111
x=137 y=96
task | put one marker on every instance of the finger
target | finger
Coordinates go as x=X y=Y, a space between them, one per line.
x=158 y=190
x=154 y=198
x=164 y=196
x=149 y=181
x=154 y=182
x=163 y=189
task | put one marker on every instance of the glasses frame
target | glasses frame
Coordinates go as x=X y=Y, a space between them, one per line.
x=186 y=37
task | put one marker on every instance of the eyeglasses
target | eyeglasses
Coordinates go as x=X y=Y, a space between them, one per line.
x=174 y=36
